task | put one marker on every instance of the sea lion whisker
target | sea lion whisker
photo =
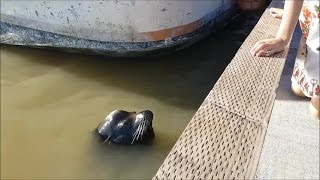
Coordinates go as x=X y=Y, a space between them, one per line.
x=134 y=135
x=132 y=140
x=106 y=140
x=139 y=131
x=142 y=129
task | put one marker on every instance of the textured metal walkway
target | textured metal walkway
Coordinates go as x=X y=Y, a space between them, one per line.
x=225 y=136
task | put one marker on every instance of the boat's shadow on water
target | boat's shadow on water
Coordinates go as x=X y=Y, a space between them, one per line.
x=183 y=78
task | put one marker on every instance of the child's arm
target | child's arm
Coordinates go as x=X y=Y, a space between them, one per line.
x=267 y=47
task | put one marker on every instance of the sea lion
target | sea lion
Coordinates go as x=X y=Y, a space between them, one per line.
x=124 y=127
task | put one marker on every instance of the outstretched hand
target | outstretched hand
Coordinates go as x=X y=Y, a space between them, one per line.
x=276 y=12
x=267 y=47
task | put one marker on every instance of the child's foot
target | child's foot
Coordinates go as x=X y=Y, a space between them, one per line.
x=314 y=107
x=276 y=12
x=296 y=89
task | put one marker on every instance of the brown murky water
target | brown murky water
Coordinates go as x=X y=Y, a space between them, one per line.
x=52 y=101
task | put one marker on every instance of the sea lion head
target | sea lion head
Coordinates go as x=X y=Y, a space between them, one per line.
x=144 y=117
x=124 y=127
x=143 y=131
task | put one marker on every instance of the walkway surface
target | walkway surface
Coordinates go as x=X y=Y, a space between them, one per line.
x=291 y=148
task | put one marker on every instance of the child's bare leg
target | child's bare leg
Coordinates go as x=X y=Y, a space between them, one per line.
x=315 y=107
x=276 y=12
x=296 y=89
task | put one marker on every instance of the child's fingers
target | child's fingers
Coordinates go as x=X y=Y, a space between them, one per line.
x=253 y=49
x=277 y=16
x=274 y=15
x=276 y=12
x=259 y=48
x=271 y=52
x=272 y=9
x=265 y=52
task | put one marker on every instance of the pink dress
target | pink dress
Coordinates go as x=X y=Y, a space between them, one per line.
x=306 y=68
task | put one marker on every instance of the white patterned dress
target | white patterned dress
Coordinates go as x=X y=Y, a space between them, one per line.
x=306 y=68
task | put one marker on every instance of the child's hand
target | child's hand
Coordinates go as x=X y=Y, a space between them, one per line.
x=276 y=12
x=267 y=47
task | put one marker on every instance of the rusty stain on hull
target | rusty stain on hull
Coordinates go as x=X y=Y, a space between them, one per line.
x=173 y=32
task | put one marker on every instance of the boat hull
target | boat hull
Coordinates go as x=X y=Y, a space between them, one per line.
x=63 y=26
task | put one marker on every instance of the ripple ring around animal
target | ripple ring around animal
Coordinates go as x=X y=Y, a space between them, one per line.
x=122 y=127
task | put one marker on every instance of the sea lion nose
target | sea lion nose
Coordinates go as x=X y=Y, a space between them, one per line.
x=148 y=114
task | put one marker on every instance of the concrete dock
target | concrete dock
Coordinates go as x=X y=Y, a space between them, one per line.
x=291 y=147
